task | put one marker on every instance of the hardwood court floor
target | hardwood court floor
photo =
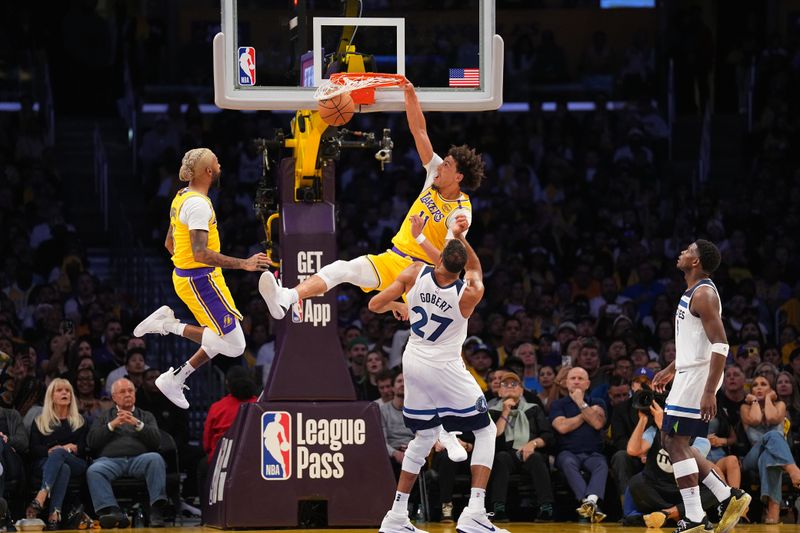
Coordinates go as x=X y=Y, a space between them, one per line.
x=562 y=527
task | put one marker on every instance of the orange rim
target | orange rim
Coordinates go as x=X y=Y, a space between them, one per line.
x=389 y=80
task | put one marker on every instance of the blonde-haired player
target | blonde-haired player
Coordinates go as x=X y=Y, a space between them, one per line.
x=442 y=200
x=194 y=244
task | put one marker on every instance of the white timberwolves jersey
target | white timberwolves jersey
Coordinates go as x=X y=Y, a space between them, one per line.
x=691 y=342
x=437 y=328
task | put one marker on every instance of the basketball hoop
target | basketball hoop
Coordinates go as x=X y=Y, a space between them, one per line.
x=362 y=85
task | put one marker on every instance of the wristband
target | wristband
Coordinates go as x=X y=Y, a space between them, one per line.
x=420 y=238
x=720 y=348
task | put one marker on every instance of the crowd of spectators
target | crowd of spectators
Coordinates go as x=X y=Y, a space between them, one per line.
x=577 y=228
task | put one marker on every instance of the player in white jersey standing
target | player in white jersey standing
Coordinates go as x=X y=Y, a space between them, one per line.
x=439 y=391
x=702 y=349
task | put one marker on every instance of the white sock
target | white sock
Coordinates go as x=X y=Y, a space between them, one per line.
x=591 y=498
x=400 y=505
x=691 y=500
x=477 y=498
x=293 y=296
x=175 y=327
x=717 y=486
x=183 y=371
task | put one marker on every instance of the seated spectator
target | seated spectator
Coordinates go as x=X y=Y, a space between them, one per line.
x=762 y=416
x=375 y=363
x=547 y=381
x=88 y=393
x=578 y=420
x=522 y=429
x=385 y=389
x=623 y=420
x=13 y=446
x=789 y=393
x=133 y=369
x=124 y=442
x=395 y=432
x=58 y=448
x=732 y=394
x=526 y=352
x=222 y=413
x=652 y=495
x=480 y=364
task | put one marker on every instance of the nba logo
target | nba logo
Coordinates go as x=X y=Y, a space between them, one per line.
x=247 y=65
x=276 y=445
x=297 y=312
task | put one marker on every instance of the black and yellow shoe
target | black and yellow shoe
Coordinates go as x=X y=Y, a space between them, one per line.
x=732 y=509
x=687 y=526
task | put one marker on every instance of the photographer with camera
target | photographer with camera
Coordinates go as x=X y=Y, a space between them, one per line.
x=653 y=493
x=623 y=421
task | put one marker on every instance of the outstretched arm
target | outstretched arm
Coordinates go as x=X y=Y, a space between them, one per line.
x=473 y=273
x=202 y=254
x=416 y=124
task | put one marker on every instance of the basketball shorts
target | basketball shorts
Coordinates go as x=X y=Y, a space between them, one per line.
x=205 y=293
x=687 y=389
x=441 y=393
x=388 y=266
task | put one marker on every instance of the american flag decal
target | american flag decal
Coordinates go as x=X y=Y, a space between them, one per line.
x=465 y=77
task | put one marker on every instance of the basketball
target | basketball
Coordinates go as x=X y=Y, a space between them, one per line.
x=337 y=110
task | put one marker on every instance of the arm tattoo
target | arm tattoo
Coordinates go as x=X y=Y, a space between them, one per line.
x=202 y=254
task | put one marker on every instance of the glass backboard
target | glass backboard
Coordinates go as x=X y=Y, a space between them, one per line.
x=274 y=57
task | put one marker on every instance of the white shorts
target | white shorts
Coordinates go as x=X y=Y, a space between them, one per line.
x=441 y=393
x=687 y=389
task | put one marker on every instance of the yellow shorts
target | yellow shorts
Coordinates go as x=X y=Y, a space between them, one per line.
x=204 y=292
x=388 y=266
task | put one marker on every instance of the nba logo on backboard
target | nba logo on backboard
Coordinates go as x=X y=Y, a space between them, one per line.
x=297 y=312
x=247 y=65
x=276 y=445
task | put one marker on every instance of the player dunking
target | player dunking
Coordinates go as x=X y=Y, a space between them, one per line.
x=439 y=203
x=701 y=348
x=193 y=242
x=439 y=391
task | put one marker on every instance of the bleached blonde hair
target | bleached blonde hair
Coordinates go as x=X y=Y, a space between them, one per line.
x=48 y=420
x=190 y=161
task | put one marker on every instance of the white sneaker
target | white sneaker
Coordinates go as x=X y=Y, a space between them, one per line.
x=476 y=521
x=172 y=387
x=155 y=322
x=277 y=297
x=398 y=523
x=455 y=451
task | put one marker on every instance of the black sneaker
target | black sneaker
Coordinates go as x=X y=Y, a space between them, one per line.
x=687 y=526
x=545 y=513
x=114 y=519
x=732 y=509
x=500 y=514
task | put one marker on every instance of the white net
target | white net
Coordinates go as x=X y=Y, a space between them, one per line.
x=345 y=84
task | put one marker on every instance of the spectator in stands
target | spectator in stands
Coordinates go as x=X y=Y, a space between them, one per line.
x=395 y=432
x=762 y=416
x=578 y=420
x=526 y=352
x=547 y=381
x=794 y=364
x=28 y=388
x=480 y=364
x=89 y=394
x=789 y=394
x=356 y=356
x=109 y=355
x=510 y=340
x=523 y=434
x=385 y=387
x=133 y=369
x=589 y=360
x=623 y=420
x=732 y=394
x=124 y=441
x=58 y=448
x=368 y=388
x=222 y=413
x=13 y=447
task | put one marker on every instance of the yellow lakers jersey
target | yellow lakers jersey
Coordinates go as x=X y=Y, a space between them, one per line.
x=436 y=211
x=183 y=256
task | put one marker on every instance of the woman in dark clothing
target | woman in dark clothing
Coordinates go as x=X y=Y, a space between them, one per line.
x=523 y=433
x=58 y=443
